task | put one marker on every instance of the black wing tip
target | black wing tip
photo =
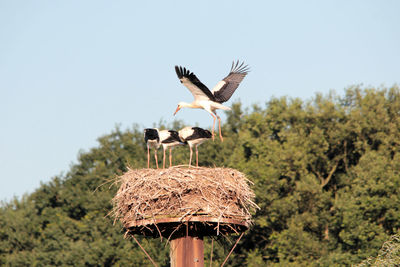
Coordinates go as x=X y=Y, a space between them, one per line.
x=203 y=132
x=150 y=134
x=149 y=129
x=182 y=72
x=174 y=133
x=178 y=71
x=238 y=67
x=208 y=133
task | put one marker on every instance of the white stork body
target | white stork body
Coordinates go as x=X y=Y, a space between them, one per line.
x=169 y=139
x=194 y=136
x=152 y=139
x=211 y=100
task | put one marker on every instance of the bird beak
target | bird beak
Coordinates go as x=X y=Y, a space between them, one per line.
x=177 y=109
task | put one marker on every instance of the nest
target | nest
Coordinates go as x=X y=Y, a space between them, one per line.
x=166 y=197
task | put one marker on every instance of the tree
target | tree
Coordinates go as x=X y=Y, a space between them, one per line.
x=326 y=174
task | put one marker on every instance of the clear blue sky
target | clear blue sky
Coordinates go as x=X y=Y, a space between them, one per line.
x=71 y=70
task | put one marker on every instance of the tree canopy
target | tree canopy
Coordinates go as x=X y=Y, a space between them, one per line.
x=326 y=174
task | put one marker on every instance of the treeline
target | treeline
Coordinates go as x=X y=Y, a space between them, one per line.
x=326 y=174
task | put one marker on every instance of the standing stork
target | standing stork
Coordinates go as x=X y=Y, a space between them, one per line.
x=169 y=139
x=152 y=140
x=194 y=136
x=211 y=100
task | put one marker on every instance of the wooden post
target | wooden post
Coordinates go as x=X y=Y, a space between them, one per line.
x=187 y=251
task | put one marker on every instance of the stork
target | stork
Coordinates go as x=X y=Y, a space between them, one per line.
x=152 y=140
x=169 y=139
x=194 y=136
x=166 y=138
x=212 y=100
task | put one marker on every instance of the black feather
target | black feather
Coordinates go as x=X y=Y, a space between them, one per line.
x=199 y=133
x=174 y=137
x=232 y=81
x=151 y=134
x=178 y=72
x=184 y=73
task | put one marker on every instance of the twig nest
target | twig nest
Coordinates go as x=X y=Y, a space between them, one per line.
x=181 y=193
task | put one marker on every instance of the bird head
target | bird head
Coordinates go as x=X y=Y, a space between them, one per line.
x=178 y=108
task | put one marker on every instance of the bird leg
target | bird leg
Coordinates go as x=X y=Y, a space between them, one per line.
x=148 y=157
x=197 y=157
x=170 y=157
x=155 y=156
x=212 y=132
x=219 y=128
x=163 y=161
x=190 y=160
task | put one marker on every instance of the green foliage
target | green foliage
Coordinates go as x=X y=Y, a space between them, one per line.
x=389 y=254
x=326 y=175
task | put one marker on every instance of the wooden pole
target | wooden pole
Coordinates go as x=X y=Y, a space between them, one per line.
x=187 y=251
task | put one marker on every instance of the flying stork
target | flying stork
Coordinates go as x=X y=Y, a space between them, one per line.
x=211 y=100
x=194 y=136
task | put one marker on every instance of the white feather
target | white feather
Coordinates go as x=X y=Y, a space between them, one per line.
x=218 y=87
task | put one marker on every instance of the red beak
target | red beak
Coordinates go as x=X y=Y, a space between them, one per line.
x=177 y=109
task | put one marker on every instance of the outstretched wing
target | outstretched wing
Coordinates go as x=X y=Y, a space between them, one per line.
x=197 y=88
x=225 y=88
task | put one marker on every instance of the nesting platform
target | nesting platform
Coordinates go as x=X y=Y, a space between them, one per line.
x=182 y=201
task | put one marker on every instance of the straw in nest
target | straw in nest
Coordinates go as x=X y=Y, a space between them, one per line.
x=182 y=193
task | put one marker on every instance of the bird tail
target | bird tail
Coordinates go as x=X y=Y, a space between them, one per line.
x=220 y=106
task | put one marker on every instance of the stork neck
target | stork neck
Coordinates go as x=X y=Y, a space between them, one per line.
x=189 y=105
